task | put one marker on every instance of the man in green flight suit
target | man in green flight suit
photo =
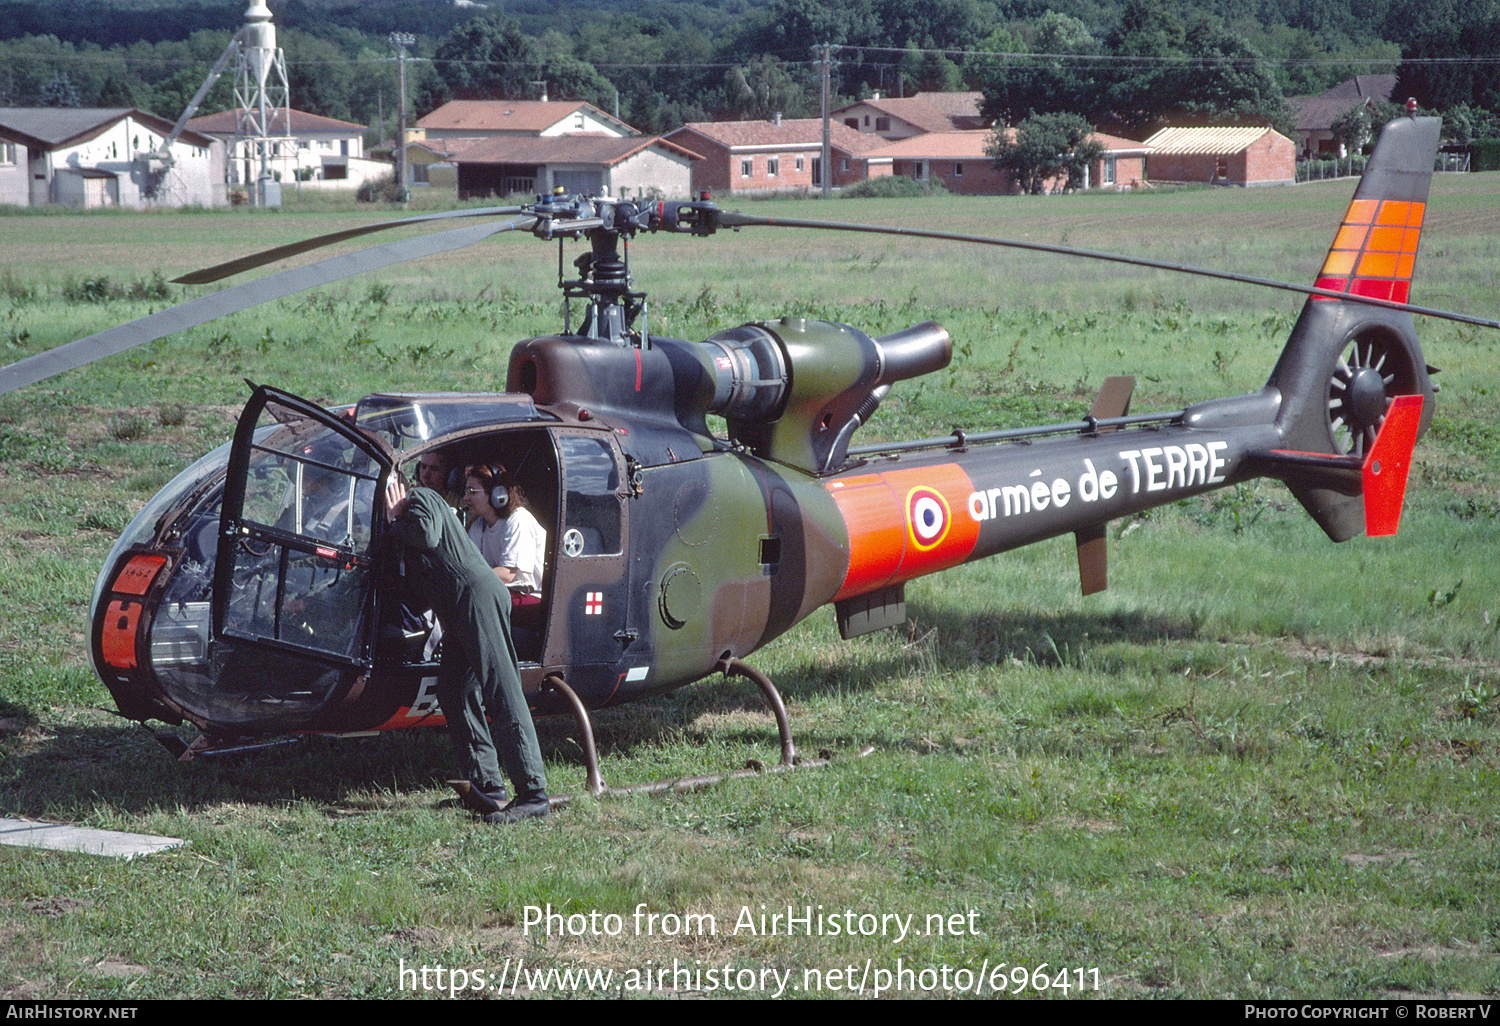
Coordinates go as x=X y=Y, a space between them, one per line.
x=477 y=673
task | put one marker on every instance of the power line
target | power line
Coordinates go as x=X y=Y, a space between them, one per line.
x=856 y=55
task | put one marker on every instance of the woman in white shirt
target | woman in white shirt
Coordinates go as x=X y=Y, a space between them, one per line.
x=507 y=534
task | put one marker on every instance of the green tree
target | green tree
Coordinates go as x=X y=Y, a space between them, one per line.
x=1352 y=128
x=487 y=58
x=930 y=71
x=764 y=86
x=1044 y=148
x=59 y=92
x=1062 y=72
x=1174 y=71
x=567 y=77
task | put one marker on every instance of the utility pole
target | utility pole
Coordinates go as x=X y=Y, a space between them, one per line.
x=827 y=158
x=401 y=40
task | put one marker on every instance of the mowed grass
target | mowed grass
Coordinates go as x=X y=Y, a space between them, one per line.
x=1260 y=765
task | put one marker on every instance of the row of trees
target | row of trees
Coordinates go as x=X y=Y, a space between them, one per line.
x=1124 y=65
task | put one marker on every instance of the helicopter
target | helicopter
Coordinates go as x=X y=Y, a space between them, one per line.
x=255 y=596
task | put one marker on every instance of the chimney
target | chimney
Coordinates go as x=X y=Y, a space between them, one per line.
x=776 y=119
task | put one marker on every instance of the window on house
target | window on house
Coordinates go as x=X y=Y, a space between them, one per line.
x=773 y=167
x=843 y=163
x=852 y=123
x=1108 y=171
x=882 y=124
x=958 y=170
x=1221 y=168
x=7 y=153
x=799 y=163
x=747 y=168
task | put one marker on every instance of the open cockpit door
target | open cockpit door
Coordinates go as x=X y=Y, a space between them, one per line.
x=294 y=580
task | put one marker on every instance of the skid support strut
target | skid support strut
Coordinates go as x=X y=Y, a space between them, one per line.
x=773 y=697
x=595 y=783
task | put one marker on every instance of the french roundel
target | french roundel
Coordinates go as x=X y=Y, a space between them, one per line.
x=927 y=515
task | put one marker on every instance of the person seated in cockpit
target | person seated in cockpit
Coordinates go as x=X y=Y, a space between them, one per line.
x=505 y=530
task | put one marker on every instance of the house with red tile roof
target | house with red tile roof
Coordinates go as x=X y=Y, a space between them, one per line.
x=960 y=160
x=780 y=155
x=469 y=119
x=530 y=147
x=902 y=117
x=628 y=167
x=963 y=162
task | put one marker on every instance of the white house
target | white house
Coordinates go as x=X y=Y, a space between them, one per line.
x=316 y=151
x=93 y=157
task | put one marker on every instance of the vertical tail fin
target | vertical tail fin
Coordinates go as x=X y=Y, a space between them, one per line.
x=1375 y=250
x=1345 y=362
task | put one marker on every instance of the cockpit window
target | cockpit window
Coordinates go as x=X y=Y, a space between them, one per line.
x=405 y=421
x=317 y=485
x=298 y=556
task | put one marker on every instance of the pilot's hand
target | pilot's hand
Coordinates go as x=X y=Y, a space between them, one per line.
x=395 y=497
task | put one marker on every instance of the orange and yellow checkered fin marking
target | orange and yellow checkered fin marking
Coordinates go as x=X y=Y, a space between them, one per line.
x=1375 y=249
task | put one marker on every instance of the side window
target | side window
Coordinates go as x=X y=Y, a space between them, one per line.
x=591 y=500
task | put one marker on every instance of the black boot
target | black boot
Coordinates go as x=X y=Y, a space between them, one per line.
x=479 y=801
x=529 y=805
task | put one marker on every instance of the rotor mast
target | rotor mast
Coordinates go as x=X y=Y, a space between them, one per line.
x=604 y=271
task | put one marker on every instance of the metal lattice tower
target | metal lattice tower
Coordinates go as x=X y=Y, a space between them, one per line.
x=260 y=95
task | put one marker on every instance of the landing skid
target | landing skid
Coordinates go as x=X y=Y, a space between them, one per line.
x=206 y=745
x=595 y=779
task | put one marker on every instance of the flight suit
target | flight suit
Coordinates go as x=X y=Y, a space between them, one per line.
x=477 y=673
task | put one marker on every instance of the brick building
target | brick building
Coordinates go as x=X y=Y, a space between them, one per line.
x=1222 y=156
x=781 y=155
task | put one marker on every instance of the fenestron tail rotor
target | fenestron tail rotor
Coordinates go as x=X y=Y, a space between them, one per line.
x=241 y=297
x=1374 y=370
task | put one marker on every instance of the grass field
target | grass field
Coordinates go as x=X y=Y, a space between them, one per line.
x=1259 y=766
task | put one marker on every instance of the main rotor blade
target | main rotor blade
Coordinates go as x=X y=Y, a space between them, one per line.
x=241 y=297
x=270 y=256
x=735 y=219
